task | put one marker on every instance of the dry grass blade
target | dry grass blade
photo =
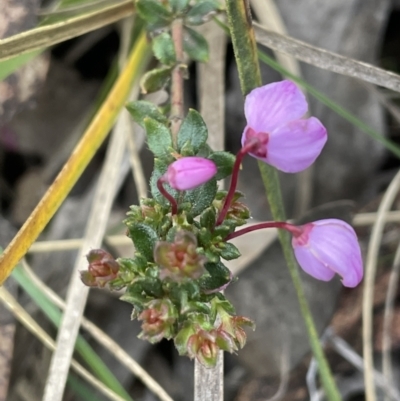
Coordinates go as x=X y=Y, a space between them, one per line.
x=49 y=35
x=369 y=282
x=209 y=383
x=30 y=324
x=84 y=151
x=102 y=338
x=77 y=292
x=327 y=60
x=388 y=319
x=348 y=353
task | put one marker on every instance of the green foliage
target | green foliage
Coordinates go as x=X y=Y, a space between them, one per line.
x=229 y=251
x=193 y=132
x=140 y=109
x=163 y=49
x=178 y=5
x=201 y=198
x=200 y=12
x=154 y=13
x=224 y=162
x=158 y=137
x=156 y=79
x=219 y=275
x=144 y=239
x=195 y=45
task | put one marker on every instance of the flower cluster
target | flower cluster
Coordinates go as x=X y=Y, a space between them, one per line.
x=182 y=235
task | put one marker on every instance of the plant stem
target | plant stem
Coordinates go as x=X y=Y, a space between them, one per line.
x=168 y=196
x=177 y=79
x=294 y=230
x=245 y=49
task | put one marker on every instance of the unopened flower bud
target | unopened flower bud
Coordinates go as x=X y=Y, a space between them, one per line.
x=179 y=259
x=158 y=320
x=233 y=325
x=204 y=345
x=189 y=173
x=102 y=268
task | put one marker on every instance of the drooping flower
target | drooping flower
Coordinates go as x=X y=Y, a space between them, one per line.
x=326 y=247
x=189 y=172
x=276 y=133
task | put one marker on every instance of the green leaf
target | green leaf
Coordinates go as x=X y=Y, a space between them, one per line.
x=152 y=287
x=163 y=49
x=155 y=80
x=144 y=239
x=195 y=45
x=134 y=295
x=229 y=251
x=200 y=12
x=201 y=197
x=158 y=137
x=178 y=5
x=193 y=131
x=160 y=167
x=140 y=109
x=153 y=12
x=224 y=162
x=207 y=218
x=219 y=276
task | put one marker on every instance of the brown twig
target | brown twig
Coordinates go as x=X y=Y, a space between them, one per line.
x=177 y=79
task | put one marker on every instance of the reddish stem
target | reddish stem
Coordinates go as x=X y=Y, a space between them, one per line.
x=235 y=174
x=294 y=230
x=166 y=194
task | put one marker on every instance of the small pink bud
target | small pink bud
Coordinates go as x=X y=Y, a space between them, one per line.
x=326 y=247
x=179 y=259
x=158 y=320
x=102 y=268
x=189 y=172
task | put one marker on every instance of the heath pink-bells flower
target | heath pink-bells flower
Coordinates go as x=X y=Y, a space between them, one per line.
x=330 y=246
x=275 y=122
x=322 y=248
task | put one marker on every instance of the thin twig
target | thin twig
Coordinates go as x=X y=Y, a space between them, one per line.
x=177 y=79
x=369 y=281
x=348 y=353
x=209 y=383
x=327 y=60
x=388 y=319
x=103 y=339
x=30 y=324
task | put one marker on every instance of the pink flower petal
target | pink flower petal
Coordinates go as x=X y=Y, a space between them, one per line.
x=335 y=244
x=311 y=265
x=270 y=106
x=295 y=146
x=327 y=247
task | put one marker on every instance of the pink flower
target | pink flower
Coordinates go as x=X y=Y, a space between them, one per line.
x=326 y=247
x=189 y=172
x=282 y=137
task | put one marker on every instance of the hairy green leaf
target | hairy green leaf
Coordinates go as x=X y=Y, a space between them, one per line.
x=193 y=131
